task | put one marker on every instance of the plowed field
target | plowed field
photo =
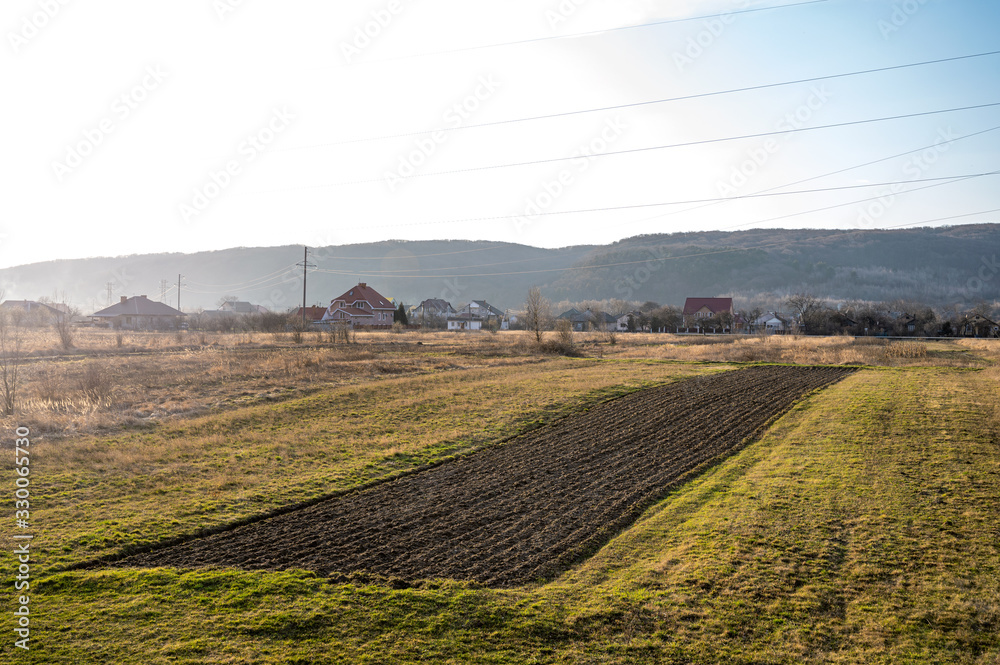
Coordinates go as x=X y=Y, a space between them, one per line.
x=523 y=510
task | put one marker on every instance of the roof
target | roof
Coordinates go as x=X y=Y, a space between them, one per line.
x=576 y=316
x=139 y=306
x=351 y=311
x=482 y=304
x=28 y=305
x=364 y=292
x=714 y=305
x=313 y=313
x=436 y=304
x=240 y=306
x=569 y=313
x=768 y=316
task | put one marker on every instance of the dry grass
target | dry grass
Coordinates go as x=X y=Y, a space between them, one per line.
x=99 y=386
x=808 y=350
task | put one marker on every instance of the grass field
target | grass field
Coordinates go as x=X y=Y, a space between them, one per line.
x=860 y=529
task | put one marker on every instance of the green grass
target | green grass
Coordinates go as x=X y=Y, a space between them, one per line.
x=103 y=494
x=861 y=529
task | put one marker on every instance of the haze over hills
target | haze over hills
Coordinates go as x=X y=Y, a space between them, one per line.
x=942 y=266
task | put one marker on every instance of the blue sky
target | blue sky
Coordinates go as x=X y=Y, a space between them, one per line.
x=218 y=123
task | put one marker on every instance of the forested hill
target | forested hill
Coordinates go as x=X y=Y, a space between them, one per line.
x=939 y=266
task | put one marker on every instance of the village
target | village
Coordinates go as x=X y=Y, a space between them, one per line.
x=362 y=307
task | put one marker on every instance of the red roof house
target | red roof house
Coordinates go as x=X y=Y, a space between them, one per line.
x=360 y=306
x=313 y=313
x=698 y=309
x=703 y=308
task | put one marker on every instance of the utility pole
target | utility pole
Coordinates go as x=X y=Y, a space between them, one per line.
x=305 y=265
x=111 y=286
x=179 y=291
x=163 y=291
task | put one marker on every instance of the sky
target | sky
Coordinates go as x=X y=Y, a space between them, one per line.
x=194 y=125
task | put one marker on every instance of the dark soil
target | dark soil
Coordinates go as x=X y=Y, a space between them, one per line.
x=524 y=510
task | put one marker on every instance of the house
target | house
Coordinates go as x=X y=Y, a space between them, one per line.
x=432 y=309
x=465 y=322
x=697 y=310
x=485 y=311
x=976 y=325
x=772 y=322
x=35 y=311
x=314 y=313
x=621 y=323
x=241 y=307
x=139 y=313
x=588 y=320
x=360 y=306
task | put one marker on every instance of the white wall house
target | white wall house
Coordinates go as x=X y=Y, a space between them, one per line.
x=465 y=322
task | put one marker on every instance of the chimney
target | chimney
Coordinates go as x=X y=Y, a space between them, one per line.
x=142 y=296
x=124 y=298
x=362 y=284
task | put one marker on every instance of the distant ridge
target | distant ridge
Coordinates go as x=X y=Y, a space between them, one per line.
x=940 y=266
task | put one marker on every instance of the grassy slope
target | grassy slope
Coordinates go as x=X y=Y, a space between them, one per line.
x=861 y=529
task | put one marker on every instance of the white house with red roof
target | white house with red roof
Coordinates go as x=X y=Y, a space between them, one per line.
x=360 y=306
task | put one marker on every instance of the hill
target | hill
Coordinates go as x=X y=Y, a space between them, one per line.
x=943 y=266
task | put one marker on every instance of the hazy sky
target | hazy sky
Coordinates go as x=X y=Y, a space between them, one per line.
x=134 y=127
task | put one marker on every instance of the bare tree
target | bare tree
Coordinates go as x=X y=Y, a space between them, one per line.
x=537 y=312
x=804 y=305
x=750 y=317
x=12 y=333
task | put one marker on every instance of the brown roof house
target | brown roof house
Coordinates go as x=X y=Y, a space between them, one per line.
x=140 y=313
x=360 y=306
x=314 y=313
x=696 y=310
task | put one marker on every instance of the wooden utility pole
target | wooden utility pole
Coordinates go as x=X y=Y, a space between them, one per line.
x=179 y=291
x=305 y=265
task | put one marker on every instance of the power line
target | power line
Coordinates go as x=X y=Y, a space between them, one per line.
x=250 y=284
x=578 y=34
x=664 y=100
x=818 y=177
x=691 y=201
x=643 y=149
